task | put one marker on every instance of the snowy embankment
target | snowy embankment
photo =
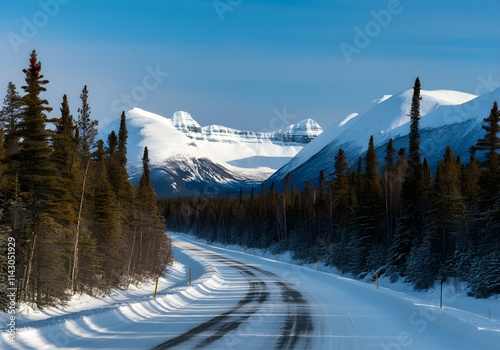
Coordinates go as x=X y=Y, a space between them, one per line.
x=241 y=300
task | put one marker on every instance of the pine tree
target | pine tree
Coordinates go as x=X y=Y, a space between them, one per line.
x=370 y=208
x=449 y=209
x=410 y=225
x=44 y=195
x=490 y=167
x=391 y=183
x=340 y=186
x=470 y=176
x=112 y=143
x=10 y=116
x=105 y=225
x=87 y=127
x=122 y=140
x=414 y=126
x=153 y=251
x=65 y=143
x=118 y=176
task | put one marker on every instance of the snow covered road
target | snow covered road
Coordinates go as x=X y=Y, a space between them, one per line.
x=240 y=301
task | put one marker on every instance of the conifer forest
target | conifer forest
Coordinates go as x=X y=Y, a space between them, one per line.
x=80 y=226
x=66 y=206
x=398 y=219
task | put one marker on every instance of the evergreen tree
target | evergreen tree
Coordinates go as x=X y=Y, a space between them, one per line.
x=370 y=208
x=112 y=143
x=340 y=187
x=65 y=144
x=414 y=126
x=122 y=140
x=10 y=116
x=490 y=167
x=117 y=170
x=470 y=179
x=87 y=127
x=43 y=279
x=154 y=248
x=411 y=222
x=449 y=209
x=105 y=225
x=391 y=185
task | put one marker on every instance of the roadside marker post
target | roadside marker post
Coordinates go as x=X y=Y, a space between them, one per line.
x=156 y=286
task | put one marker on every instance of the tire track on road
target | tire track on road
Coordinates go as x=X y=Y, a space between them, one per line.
x=297 y=323
x=227 y=321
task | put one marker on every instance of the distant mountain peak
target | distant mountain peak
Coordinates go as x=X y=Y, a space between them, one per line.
x=186 y=155
x=387 y=118
x=185 y=123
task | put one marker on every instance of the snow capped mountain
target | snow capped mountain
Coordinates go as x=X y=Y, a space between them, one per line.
x=185 y=123
x=186 y=157
x=447 y=118
x=300 y=133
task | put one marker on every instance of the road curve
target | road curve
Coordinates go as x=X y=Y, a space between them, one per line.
x=269 y=297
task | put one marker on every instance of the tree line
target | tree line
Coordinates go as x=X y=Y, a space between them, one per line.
x=397 y=218
x=79 y=225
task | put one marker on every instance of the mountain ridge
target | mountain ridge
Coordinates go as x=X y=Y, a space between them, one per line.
x=181 y=150
x=447 y=118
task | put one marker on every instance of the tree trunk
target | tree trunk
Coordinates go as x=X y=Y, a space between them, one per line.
x=77 y=234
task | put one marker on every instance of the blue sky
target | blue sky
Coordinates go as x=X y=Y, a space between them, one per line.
x=248 y=64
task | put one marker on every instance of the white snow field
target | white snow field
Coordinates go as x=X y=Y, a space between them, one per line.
x=242 y=301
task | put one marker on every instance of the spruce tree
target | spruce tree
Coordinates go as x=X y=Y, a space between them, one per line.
x=448 y=206
x=490 y=167
x=44 y=195
x=105 y=224
x=154 y=251
x=414 y=126
x=340 y=186
x=10 y=116
x=65 y=143
x=117 y=170
x=371 y=199
x=411 y=223
x=122 y=140
x=470 y=180
x=87 y=127
x=391 y=188
x=112 y=143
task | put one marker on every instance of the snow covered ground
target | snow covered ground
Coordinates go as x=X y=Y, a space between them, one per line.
x=246 y=301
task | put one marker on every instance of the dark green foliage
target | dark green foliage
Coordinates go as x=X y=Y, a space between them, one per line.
x=401 y=220
x=122 y=140
x=70 y=215
x=150 y=246
x=489 y=145
x=484 y=275
x=414 y=155
x=10 y=115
